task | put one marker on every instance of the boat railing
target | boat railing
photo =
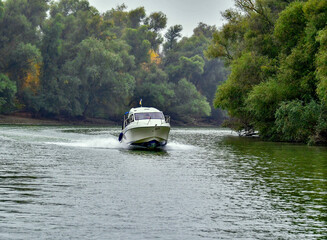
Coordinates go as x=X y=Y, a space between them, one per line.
x=125 y=122
x=167 y=119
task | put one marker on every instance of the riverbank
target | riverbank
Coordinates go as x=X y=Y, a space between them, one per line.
x=27 y=119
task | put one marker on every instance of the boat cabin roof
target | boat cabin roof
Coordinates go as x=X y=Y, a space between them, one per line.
x=142 y=110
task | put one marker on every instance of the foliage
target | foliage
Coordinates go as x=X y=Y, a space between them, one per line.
x=262 y=103
x=156 y=21
x=291 y=22
x=153 y=87
x=246 y=73
x=101 y=76
x=136 y=16
x=299 y=122
x=7 y=93
x=1 y=9
x=321 y=64
x=65 y=58
x=139 y=42
x=277 y=54
x=189 y=101
x=172 y=35
x=185 y=59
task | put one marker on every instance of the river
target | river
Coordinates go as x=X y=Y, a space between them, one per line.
x=81 y=183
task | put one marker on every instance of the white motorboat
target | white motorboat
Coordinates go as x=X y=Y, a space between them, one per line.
x=145 y=126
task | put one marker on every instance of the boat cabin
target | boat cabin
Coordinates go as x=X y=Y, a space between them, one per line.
x=144 y=113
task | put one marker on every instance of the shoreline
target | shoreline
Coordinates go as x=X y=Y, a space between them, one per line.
x=25 y=119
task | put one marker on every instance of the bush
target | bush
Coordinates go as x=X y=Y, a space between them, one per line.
x=298 y=122
x=7 y=94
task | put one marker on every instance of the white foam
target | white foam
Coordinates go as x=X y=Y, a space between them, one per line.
x=107 y=139
x=172 y=145
x=93 y=142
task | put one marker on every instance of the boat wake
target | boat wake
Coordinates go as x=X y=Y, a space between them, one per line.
x=96 y=142
x=78 y=138
x=112 y=143
x=176 y=146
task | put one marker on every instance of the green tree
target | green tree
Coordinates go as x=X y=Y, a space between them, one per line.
x=192 y=68
x=291 y=22
x=156 y=21
x=24 y=67
x=154 y=88
x=189 y=102
x=246 y=73
x=172 y=35
x=140 y=45
x=7 y=93
x=1 y=9
x=321 y=63
x=228 y=43
x=296 y=121
x=118 y=18
x=136 y=16
x=284 y=73
x=262 y=103
x=20 y=32
x=103 y=81
x=64 y=58
x=51 y=49
x=186 y=60
x=205 y=30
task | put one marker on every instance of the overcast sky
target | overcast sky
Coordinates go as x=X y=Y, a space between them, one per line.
x=187 y=13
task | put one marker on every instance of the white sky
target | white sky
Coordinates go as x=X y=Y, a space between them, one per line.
x=187 y=13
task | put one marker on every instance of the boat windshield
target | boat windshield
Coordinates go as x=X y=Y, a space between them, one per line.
x=149 y=115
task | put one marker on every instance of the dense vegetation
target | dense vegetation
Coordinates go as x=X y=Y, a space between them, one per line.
x=277 y=53
x=65 y=58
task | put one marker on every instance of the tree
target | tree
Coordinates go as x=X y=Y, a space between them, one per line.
x=189 y=102
x=103 y=81
x=140 y=45
x=321 y=63
x=118 y=19
x=297 y=122
x=276 y=53
x=136 y=16
x=1 y=9
x=64 y=58
x=51 y=49
x=153 y=87
x=7 y=93
x=291 y=22
x=191 y=67
x=156 y=21
x=172 y=35
x=205 y=30
x=25 y=64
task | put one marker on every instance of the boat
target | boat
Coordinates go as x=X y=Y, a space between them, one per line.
x=145 y=127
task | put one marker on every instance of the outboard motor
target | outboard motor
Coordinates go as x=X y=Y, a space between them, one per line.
x=120 y=138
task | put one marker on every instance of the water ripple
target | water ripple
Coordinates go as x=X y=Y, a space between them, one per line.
x=81 y=183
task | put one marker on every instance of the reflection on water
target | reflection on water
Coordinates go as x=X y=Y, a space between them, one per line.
x=81 y=183
x=293 y=176
x=146 y=152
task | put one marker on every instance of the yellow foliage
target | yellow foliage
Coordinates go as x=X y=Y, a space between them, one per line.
x=32 y=77
x=154 y=57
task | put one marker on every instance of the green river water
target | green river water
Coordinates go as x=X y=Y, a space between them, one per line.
x=81 y=183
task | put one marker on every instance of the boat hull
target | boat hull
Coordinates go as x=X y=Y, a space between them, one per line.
x=146 y=136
